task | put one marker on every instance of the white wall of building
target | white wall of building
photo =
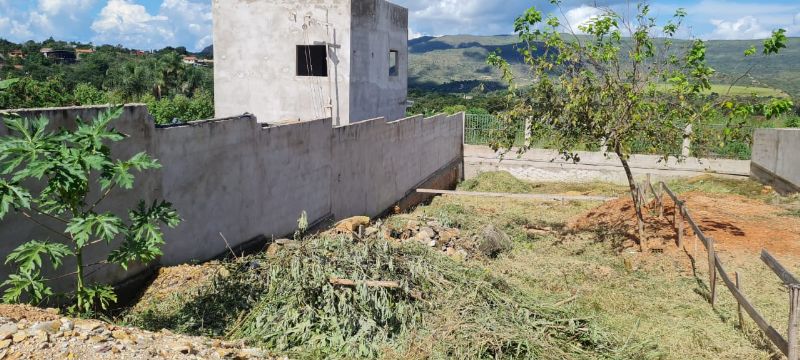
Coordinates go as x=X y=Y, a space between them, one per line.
x=255 y=59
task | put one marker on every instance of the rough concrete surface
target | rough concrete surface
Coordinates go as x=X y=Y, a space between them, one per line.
x=775 y=158
x=255 y=59
x=237 y=177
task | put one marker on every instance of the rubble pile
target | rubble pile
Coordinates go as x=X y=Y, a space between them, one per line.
x=31 y=333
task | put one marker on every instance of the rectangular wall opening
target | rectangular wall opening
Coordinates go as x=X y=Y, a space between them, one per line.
x=312 y=60
x=394 y=65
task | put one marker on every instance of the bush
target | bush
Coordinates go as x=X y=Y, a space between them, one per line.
x=87 y=94
x=793 y=122
x=180 y=109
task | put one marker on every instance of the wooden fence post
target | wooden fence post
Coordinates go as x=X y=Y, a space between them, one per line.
x=679 y=223
x=738 y=303
x=712 y=271
x=794 y=317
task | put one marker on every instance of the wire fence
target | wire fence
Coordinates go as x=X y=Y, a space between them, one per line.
x=719 y=141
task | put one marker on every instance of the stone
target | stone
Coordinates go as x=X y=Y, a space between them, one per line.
x=41 y=336
x=5 y=344
x=120 y=335
x=432 y=243
x=7 y=330
x=184 y=349
x=448 y=235
x=50 y=327
x=429 y=232
x=87 y=325
x=494 y=241
x=19 y=336
x=98 y=339
x=66 y=325
x=103 y=348
x=53 y=311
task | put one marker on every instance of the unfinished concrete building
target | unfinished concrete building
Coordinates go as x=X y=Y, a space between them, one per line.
x=288 y=60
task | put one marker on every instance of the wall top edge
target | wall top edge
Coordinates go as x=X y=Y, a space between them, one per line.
x=67 y=108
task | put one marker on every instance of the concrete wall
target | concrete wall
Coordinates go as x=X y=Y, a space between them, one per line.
x=244 y=180
x=255 y=59
x=547 y=165
x=378 y=28
x=775 y=158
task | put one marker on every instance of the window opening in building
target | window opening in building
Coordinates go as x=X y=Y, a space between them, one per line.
x=394 y=65
x=312 y=60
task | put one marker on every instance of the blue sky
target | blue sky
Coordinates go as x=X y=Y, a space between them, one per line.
x=148 y=24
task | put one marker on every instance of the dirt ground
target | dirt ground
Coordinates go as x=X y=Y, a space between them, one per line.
x=739 y=225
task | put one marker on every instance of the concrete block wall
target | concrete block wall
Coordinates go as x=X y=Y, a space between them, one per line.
x=237 y=177
x=775 y=159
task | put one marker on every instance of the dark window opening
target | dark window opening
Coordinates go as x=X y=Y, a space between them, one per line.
x=394 y=65
x=312 y=60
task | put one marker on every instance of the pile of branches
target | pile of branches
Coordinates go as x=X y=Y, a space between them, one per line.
x=331 y=296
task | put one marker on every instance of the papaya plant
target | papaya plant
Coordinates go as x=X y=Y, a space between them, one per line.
x=58 y=179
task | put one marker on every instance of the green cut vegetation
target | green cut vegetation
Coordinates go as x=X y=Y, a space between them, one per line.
x=442 y=309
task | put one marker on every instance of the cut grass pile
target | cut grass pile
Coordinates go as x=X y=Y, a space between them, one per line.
x=504 y=182
x=287 y=304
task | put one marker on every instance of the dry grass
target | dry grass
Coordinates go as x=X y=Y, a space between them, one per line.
x=645 y=299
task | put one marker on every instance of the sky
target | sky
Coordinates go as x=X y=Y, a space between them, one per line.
x=153 y=24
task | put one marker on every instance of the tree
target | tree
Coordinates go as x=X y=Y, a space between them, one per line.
x=616 y=85
x=67 y=162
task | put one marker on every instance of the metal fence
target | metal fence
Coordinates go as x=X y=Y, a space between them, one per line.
x=483 y=129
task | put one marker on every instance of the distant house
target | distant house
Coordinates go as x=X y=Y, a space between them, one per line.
x=59 y=56
x=82 y=52
x=16 y=54
x=138 y=53
x=205 y=62
x=191 y=60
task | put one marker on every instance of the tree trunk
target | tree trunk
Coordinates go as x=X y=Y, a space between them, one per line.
x=634 y=195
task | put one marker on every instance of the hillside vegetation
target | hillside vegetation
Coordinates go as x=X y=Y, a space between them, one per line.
x=458 y=63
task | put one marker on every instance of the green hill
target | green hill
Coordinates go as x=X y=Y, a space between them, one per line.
x=457 y=63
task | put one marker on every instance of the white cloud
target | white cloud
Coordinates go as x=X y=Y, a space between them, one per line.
x=747 y=27
x=581 y=16
x=413 y=34
x=57 y=7
x=178 y=22
x=122 y=21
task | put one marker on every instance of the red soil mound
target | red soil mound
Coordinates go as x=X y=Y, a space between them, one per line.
x=736 y=223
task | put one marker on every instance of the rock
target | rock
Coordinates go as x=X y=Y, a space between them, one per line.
x=19 y=336
x=50 y=327
x=53 y=311
x=98 y=339
x=352 y=224
x=272 y=249
x=41 y=336
x=428 y=231
x=432 y=243
x=422 y=237
x=184 y=349
x=494 y=241
x=7 y=330
x=5 y=344
x=87 y=325
x=448 y=235
x=252 y=353
x=103 y=348
x=120 y=335
x=66 y=325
